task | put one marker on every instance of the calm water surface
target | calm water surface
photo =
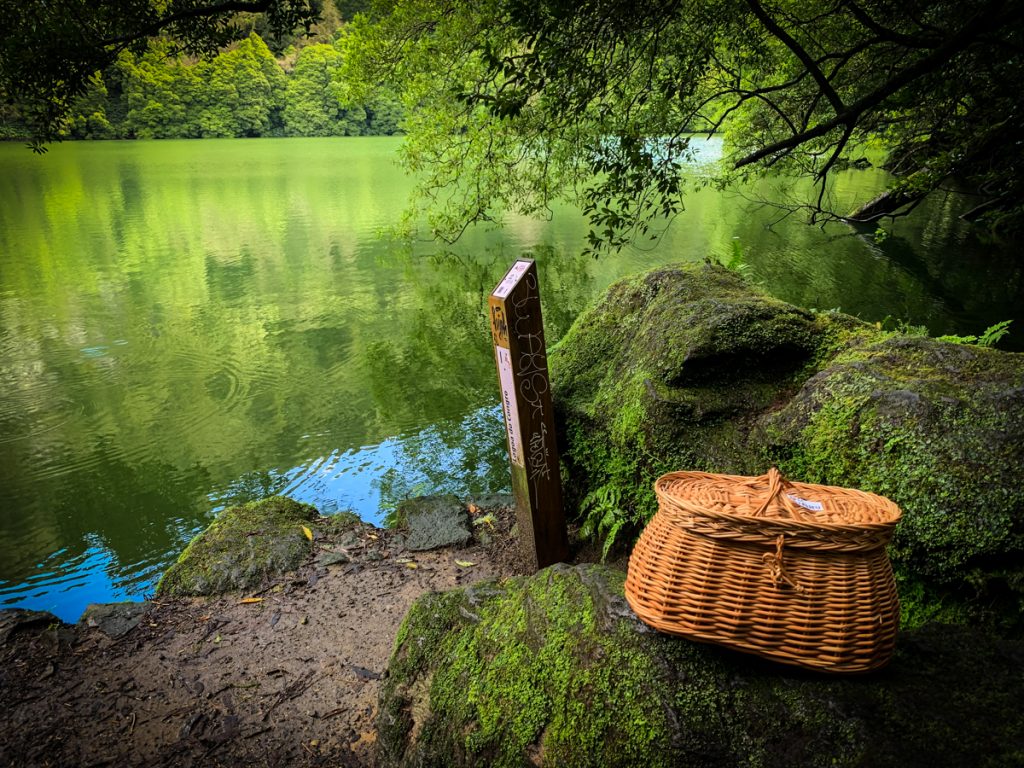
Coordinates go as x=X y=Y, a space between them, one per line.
x=184 y=325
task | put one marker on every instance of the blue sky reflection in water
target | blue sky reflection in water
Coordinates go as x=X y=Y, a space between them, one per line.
x=368 y=481
x=371 y=480
x=188 y=324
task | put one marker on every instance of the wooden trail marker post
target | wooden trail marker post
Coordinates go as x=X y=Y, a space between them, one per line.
x=521 y=359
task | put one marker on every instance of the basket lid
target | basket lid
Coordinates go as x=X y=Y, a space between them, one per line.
x=771 y=497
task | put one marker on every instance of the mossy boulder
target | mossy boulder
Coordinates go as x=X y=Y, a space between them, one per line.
x=671 y=369
x=244 y=546
x=938 y=428
x=691 y=368
x=555 y=670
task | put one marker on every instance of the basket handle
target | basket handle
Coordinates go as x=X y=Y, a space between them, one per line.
x=776 y=485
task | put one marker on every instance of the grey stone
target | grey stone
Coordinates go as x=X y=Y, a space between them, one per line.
x=332 y=558
x=493 y=500
x=115 y=619
x=350 y=540
x=435 y=521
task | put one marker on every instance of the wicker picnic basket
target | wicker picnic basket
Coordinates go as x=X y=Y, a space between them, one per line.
x=793 y=572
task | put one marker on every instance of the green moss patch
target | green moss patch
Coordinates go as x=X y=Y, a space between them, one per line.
x=939 y=429
x=502 y=676
x=555 y=670
x=241 y=548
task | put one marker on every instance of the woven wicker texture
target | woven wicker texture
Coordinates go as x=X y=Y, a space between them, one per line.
x=793 y=572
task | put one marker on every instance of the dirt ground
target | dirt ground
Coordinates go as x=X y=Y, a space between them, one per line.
x=290 y=679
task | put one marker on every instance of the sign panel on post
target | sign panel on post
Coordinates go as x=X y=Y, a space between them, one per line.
x=521 y=359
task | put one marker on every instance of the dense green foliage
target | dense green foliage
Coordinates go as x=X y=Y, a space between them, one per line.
x=50 y=51
x=243 y=91
x=181 y=69
x=521 y=102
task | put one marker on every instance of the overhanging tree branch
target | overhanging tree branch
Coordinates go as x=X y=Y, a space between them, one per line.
x=805 y=58
x=799 y=80
x=956 y=43
x=197 y=12
x=900 y=38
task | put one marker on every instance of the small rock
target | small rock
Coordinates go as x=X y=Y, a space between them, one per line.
x=434 y=522
x=332 y=558
x=350 y=540
x=365 y=674
x=115 y=619
x=495 y=500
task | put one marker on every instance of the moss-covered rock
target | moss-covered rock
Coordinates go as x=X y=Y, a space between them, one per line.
x=555 y=670
x=671 y=370
x=938 y=428
x=690 y=368
x=241 y=548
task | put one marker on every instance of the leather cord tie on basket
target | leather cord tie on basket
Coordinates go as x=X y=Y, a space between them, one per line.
x=776 y=568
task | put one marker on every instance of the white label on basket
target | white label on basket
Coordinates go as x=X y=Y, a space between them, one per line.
x=814 y=506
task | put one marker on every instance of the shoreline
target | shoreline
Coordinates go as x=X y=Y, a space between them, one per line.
x=286 y=674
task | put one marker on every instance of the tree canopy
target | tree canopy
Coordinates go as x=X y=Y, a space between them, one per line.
x=519 y=101
x=244 y=89
x=50 y=50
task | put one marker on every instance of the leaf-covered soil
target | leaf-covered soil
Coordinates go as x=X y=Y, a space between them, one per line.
x=291 y=679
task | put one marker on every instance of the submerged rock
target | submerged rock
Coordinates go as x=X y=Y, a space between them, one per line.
x=690 y=368
x=555 y=670
x=241 y=548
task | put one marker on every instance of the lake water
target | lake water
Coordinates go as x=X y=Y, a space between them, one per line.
x=185 y=325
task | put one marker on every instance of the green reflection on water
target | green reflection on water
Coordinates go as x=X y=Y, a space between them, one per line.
x=184 y=324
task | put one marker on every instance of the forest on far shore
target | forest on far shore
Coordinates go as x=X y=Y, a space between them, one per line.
x=243 y=91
